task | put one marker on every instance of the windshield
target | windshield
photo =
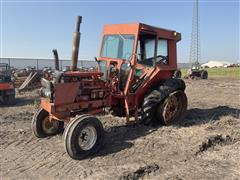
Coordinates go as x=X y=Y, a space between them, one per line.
x=118 y=46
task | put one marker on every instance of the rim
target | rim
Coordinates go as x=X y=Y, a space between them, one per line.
x=171 y=108
x=87 y=138
x=49 y=127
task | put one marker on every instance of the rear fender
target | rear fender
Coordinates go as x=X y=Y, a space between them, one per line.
x=166 y=87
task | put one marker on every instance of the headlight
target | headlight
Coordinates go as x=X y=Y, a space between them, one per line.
x=47 y=94
x=47 y=89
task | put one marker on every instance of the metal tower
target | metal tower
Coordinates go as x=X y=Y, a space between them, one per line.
x=195 y=53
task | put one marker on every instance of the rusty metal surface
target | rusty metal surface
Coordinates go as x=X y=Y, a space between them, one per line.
x=76 y=42
x=56 y=59
x=65 y=93
x=6 y=86
x=79 y=90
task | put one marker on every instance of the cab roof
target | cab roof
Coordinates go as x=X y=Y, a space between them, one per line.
x=135 y=28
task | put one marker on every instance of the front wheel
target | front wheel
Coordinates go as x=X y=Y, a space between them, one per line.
x=83 y=137
x=173 y=108
x=43 y=127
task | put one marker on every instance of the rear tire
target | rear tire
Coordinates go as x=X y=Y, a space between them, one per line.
x=149 y=115
x=149 y=108
x=204 y=74
x=42 y=127
x=83 y=137
x=173 y=109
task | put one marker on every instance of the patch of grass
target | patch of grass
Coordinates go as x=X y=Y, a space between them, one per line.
x=184 y=72
x=233 y=72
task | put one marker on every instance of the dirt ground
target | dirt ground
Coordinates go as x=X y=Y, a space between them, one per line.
x=205 y=146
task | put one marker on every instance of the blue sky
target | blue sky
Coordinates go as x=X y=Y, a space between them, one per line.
x=33 y=29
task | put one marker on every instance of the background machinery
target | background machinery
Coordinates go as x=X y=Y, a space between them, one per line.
x=195 y=70
x=7 y=90
x=136 y=64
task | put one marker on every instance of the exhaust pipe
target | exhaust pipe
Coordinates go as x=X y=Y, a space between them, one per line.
x=76 y=41
x=56 y=59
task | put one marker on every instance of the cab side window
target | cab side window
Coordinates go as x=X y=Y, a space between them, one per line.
x=146 y=49
x=162 y=51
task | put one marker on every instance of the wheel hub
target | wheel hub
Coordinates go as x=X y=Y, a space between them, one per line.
x=87 y=138
x=170 y=108
x=50 y=127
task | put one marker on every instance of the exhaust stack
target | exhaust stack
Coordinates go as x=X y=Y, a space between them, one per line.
x=76 y=42
x=56 y=59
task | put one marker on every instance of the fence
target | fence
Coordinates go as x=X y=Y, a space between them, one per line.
x=21 y=63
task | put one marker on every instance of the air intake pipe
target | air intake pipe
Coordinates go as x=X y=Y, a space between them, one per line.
x=76 y=42
x=56 y=59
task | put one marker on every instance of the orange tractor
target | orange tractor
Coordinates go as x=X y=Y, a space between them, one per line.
x=134 y=79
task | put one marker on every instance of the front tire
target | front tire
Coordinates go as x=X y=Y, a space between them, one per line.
x=83 y=137
x=42 y=127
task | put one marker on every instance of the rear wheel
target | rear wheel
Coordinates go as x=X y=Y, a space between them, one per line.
x=43 y=127
x=153 y=99
x=83 y=137
x=172 y=110
x=204 y=74
x=149 y=108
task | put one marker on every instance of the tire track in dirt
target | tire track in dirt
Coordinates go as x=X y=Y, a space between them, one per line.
x=128 y=148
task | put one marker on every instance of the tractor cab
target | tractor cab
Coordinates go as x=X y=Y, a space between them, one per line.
x=5 y=78
x=4 y=68
x=135 y=51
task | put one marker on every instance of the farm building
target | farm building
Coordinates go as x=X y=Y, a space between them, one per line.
x=212 y=64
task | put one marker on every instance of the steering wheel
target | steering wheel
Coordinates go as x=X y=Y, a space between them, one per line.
x=162 y=60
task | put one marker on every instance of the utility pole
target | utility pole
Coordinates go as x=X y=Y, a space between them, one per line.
x=195 y=52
